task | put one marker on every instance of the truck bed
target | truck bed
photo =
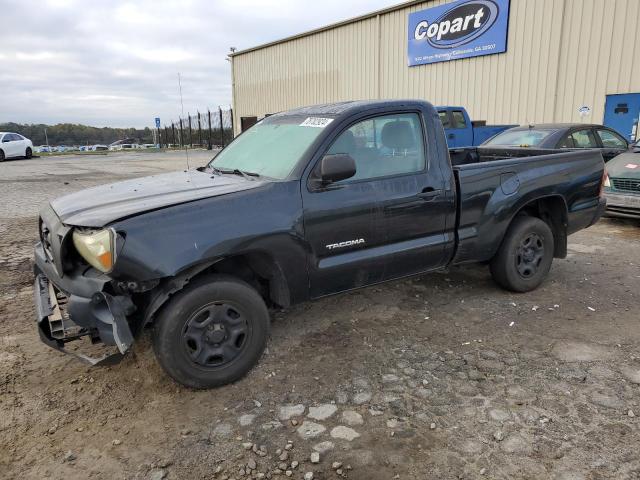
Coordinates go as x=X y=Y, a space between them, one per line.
x=469 y=155
x=494 y=184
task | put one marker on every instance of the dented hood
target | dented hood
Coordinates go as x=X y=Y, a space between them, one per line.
x=99 y=206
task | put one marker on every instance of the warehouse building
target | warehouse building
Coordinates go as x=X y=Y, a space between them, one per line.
x=506 y=61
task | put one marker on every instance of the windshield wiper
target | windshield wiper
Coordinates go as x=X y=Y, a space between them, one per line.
x=235 y=171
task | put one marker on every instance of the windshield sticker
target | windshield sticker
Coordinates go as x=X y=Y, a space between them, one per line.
x=632 y=166
x=316 y=122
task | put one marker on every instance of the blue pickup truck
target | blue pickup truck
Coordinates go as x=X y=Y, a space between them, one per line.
x=462 y=132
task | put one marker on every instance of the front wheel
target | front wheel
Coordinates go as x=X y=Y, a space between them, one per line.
x=525 y=256
x=2 y=157
x=28 y=153
x=212 y=333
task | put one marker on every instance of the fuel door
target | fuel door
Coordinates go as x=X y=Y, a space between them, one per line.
x=509 y=183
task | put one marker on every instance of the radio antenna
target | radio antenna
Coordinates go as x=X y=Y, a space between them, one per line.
x=186 y=151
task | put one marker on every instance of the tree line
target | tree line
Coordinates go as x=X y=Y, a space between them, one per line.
x=76 y=134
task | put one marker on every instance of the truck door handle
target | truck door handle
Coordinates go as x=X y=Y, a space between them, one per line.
x=452 y=135
x=429 y=193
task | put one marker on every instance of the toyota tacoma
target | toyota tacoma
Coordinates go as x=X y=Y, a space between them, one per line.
x=307 y=203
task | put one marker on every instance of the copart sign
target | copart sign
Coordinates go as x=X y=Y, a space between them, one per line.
x=468 y=28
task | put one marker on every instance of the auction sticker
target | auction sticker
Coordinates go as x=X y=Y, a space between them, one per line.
x=632 y=166
x=316 y=122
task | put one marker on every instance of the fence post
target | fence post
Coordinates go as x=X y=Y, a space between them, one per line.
x=190 y=131
x=199 y=131
x=181 y=135
x=232 y=127
x=173 y=132
x=221 y=127
x=210 y=139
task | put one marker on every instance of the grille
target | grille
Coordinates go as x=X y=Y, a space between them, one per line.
x=626 y=184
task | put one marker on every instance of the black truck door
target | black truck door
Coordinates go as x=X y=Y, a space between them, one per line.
x=386 y=221
x=341 y=223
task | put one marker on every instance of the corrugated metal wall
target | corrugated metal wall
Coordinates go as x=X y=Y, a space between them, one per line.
x=562 y=54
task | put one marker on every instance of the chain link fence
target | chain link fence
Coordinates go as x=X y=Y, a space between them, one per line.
x=210 y=129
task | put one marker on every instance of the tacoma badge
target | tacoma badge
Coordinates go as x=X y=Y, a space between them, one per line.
x=348 y=243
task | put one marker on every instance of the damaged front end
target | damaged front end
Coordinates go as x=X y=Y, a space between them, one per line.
x=74 y=301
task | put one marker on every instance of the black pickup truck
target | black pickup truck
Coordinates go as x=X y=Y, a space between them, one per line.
x=307 y=203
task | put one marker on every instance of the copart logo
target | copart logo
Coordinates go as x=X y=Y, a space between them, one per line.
x=460 y=25
x=348 y=243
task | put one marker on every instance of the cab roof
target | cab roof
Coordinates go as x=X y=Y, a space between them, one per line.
x=350 y=107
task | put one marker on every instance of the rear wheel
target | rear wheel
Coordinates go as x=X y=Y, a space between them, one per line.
x=525 y=256
x=28 y=153
x=212 y=333
x=2 y=157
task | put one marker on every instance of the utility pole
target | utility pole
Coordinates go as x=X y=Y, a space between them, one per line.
x=46 y=139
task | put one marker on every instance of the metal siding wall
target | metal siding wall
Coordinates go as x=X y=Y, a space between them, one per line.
x=334 y=65
x=597 y=57
x=561 y=54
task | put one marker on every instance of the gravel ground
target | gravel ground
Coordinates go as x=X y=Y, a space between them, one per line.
x=437 y=377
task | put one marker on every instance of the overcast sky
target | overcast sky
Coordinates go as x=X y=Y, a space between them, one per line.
x=115 y=63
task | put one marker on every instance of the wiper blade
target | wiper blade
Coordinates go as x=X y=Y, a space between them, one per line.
x=235 y=171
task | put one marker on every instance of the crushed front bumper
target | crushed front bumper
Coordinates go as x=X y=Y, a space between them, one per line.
x=76 y=306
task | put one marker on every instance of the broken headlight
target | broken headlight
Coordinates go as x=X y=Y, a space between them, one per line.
x=97 y=247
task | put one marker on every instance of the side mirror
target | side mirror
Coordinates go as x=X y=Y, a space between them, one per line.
x=334 y=168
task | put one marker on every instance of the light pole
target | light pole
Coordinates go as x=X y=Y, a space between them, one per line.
x=46 y=139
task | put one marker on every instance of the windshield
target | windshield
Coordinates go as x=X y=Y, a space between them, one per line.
x=520 y=138
x=270 y=149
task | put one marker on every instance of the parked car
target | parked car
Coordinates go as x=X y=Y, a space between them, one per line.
x=99 y=148
x=622 y=186
x=358 y=193
x=14 y=145
x=44 y=149
x=563 y=136
x=462 y=132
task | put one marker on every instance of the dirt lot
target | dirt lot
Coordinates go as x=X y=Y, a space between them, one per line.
x=439 y=377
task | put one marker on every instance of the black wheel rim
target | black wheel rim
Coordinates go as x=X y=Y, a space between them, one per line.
x=529 y=255
x=216 y=335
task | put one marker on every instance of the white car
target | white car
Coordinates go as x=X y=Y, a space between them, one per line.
x=13 y=145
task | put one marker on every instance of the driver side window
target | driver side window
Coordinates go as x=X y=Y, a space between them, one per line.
x=383 y=146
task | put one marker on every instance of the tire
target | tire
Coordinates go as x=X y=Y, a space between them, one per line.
x=28 y=153
x=525 y=255
x=2 y=157
x=211 y=333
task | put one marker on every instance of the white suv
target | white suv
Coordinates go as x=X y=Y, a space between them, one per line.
x=13 y=145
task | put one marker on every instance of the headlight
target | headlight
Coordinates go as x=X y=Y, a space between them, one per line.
x=98 y=248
